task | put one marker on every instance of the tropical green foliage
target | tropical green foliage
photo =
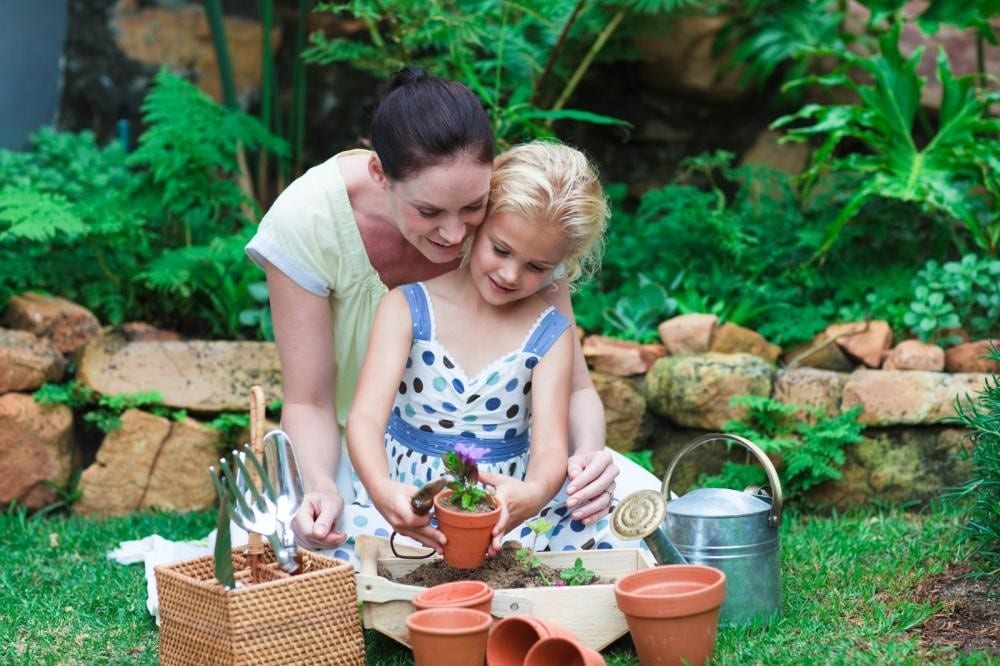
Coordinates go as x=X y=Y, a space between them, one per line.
x=809 y=451
x=956 y=294
x=951 y=174
x=157 y=235
x=524 y=59
x=981 y=414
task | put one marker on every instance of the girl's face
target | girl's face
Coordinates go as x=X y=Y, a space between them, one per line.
x=513 y=257
x=437 y=207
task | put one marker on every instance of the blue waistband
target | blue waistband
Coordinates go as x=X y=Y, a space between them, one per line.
x=437 y=444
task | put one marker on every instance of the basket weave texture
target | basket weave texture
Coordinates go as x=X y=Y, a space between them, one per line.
x=309 y=618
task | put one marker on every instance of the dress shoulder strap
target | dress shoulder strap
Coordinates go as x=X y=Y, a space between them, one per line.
x=420 y=312
x=548 y=328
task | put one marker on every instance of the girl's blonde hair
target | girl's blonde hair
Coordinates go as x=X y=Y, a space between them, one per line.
x=553 y=184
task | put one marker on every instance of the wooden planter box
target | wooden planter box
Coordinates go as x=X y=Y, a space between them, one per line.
x=589 y=611
x=309 y=618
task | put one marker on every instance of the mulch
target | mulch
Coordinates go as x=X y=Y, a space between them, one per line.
x=969 y=618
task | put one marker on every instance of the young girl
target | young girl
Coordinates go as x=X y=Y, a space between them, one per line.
x=475 y=355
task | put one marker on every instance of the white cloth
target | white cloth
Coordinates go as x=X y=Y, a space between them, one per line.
x=154 y=550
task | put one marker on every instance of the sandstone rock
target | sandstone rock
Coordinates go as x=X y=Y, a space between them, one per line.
x=694 y=390
x=36 y=445
x=865 y=341
x=810 y=388
x=822 y=353
x=969 y=357
x=767 y=149
x=908 y=397
x=679 y=56
x=896 y=465
x=27 y=361
x=619 y=357
x=688 y=334
x=67 y=324
x=150 y=462
x=196 y=375
x=180 y=38
x=624 y=409
x=734 y=339
x=915 y=355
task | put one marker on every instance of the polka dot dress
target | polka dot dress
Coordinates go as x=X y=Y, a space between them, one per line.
x=437 y=405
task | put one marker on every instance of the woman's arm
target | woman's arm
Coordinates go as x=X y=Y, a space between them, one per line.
x=590 y=468
x=550 y=392
x=304 y=336
x=383 y=368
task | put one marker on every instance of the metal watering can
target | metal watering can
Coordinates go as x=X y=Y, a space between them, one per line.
x=730 y=530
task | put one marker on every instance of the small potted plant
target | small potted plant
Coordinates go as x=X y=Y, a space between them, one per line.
x=466 y=512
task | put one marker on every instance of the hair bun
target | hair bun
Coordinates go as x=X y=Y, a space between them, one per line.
x=407 y=76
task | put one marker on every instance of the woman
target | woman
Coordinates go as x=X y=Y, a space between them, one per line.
x=339 y=237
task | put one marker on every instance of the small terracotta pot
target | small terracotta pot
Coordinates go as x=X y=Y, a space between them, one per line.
x=473 y=594
x=468 y=533
x=512 y=637
x=459 y=633
x=672 y=612
x=559 y=651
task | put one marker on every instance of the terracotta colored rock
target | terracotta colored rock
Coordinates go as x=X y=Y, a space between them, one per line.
x=620 y=357
x=695 y=390
x=140 y=331
x=767 y=149
x=36 y=445
x=688 y=334
x=196 y=375
x=914 y=355
x=822 y=353
x=892 y=397
x=150 y=462
x=969 y=357
x=810 y=388
x=865 y=341
x=734 y=339
x=179 y=37
x=27 y=361
x=67 y=324
x=624 y=409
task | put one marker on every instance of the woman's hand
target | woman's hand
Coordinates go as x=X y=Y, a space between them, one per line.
x=518 y=501
x=314 y=523
x=591 y=485
x=392 y=499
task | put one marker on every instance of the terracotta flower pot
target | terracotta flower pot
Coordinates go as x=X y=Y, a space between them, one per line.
x=468 y=533
x=559 y=651
x=459 y=633
x=473 y=594
x=672 y=612
x=512 y=637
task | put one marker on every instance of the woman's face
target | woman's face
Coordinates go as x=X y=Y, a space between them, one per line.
x=438 y=207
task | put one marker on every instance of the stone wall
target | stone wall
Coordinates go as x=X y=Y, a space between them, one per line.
x=656 y=396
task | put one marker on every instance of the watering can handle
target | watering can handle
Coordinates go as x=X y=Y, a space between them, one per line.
x=774 y=518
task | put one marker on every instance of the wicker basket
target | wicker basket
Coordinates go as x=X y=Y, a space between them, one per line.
x=309 y=618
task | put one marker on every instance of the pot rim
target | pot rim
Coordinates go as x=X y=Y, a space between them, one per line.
x=477 y=621
x=632 y=600
x=469 y=517
x=448 y=594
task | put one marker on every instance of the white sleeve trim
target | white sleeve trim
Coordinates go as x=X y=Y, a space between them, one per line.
x=260 y=250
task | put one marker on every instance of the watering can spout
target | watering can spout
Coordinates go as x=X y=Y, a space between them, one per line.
x=640 y=516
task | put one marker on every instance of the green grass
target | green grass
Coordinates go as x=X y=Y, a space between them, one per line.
x=848 y=583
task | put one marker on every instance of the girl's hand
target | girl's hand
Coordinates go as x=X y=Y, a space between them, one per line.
x=314 y=523
x=392 y=499
x=518 y=501
x=591 y=485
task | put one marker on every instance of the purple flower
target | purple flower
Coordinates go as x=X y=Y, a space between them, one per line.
x=470 y=453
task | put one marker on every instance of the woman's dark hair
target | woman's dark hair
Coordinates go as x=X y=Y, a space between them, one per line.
x=424 y=120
